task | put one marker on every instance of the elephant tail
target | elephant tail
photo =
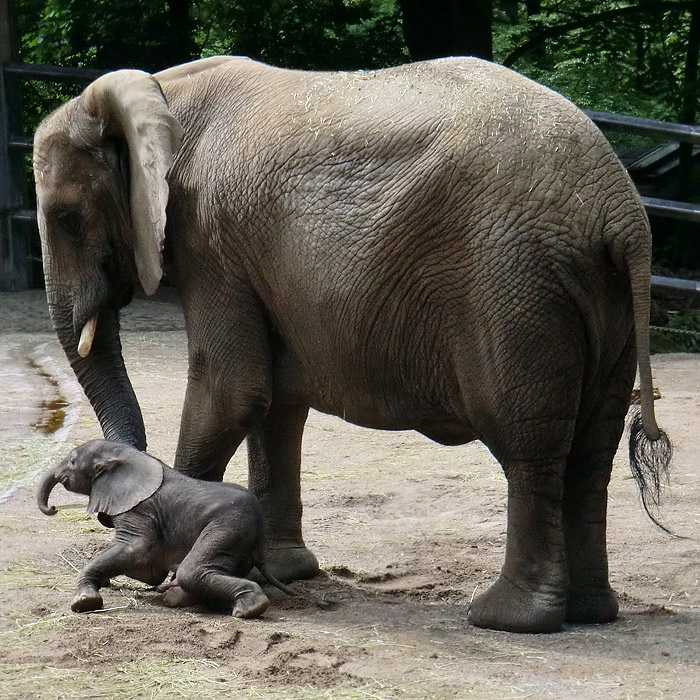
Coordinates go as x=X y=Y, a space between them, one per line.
x=649 y=462
x=650 y=449
x=270 y=578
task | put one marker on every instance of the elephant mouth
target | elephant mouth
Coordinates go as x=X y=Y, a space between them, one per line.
x=104 y=297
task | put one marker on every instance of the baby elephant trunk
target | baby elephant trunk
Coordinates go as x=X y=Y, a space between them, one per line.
x=48 y=481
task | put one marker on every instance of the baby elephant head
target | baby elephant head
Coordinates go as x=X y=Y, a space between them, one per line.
x=117 y=477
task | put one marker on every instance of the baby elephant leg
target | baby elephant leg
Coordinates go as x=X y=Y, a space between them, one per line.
x=212 y=570
x=115 y=560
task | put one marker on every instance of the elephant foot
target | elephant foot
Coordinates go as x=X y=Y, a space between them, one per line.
x=511 y=609
x=289 y=562
x=174 y=596
x=86 y=599
x=250 y=603
x=591 y=607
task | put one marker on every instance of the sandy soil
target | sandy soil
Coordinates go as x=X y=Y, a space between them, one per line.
x=407 y=531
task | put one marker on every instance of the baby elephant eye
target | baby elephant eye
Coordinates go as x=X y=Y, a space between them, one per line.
x=70 y=223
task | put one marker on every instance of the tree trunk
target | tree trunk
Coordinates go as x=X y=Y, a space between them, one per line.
x=447 y=28
x=180 y=44
x=510 y=9
x=640 y=57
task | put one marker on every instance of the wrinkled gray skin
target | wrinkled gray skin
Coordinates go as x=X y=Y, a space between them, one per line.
x=211 y=534
x=444 y=246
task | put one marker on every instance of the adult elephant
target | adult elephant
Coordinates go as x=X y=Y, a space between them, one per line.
x=444 y=246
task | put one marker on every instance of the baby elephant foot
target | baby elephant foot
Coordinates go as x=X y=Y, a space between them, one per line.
x=86 y=599
x=174 y=596
x=250 y=602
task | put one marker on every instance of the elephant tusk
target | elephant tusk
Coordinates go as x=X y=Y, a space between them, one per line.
x=87 y=336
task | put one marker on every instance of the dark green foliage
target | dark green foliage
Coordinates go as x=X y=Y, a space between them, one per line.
x=633 y=57
x=104 y=33
x=322 y=34
x=687 y=340
x=110 y=34
x=625 y=57
x=310 y=34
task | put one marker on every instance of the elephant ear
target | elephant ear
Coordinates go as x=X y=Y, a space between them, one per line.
x=132 y=108
x=122 y=482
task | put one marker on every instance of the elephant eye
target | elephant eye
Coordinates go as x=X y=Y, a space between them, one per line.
x=70 y=223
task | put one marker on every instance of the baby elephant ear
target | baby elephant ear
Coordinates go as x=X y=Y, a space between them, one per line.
x=122 y=481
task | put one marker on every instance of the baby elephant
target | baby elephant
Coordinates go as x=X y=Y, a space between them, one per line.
x=210 y=533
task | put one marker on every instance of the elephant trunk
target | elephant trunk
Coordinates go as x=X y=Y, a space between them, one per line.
x=102 y=374
x=48 y=481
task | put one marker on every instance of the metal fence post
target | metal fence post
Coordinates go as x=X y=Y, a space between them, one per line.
x=14 y=246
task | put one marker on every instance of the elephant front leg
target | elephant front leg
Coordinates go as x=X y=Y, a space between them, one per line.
x=208 y=436
x=530 y=594
x=274 y=458
x=229 y=378
x=86 y=599
x=114 y=561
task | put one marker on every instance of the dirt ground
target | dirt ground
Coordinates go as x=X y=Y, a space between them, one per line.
x=406 y=531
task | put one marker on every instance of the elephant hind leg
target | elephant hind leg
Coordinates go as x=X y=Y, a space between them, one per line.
x=533 y=398
x=530 y=593
x=210 y=573
x=590 y=598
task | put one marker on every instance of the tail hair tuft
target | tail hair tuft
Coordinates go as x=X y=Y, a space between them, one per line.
x=649 y=462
